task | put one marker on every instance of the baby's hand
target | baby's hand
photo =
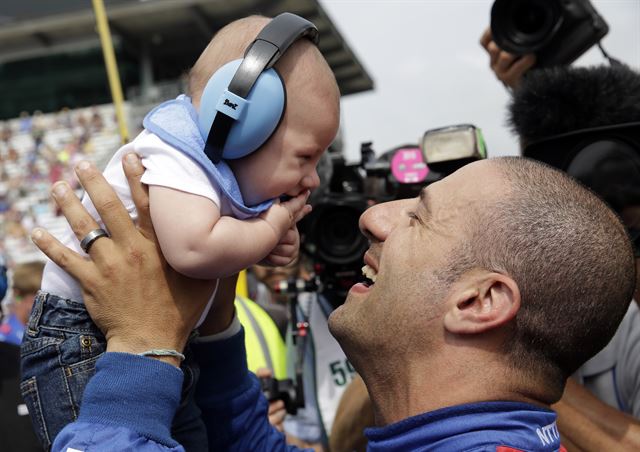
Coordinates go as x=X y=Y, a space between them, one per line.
x=286 y=213
x=282 y=216
x=285 y=252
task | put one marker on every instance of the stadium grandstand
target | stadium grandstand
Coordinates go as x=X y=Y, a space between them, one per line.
x=57 y=108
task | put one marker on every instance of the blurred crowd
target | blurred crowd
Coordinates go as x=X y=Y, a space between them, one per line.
x=35 y=151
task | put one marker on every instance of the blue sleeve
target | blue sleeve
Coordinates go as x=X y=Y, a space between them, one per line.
x=128 y=405
x=229 y=396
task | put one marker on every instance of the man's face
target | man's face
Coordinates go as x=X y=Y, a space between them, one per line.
x=411 y=244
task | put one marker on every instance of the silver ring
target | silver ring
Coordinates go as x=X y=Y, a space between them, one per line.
x=91 y=237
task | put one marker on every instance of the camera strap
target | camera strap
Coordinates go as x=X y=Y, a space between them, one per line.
x=612 y=61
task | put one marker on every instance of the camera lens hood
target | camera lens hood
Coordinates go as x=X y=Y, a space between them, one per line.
x=525 y=26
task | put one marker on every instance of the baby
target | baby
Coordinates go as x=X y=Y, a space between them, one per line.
x=211 y=220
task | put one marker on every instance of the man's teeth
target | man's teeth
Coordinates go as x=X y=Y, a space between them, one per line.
x=370 y=273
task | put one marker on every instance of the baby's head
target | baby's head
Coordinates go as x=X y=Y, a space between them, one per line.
x=286 y=163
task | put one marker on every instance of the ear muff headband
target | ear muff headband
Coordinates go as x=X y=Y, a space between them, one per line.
x=270 y=44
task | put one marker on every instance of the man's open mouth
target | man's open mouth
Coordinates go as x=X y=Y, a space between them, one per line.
x=370 y=275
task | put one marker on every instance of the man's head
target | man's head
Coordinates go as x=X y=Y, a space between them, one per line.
x=286 y=163
x=26 y=281
x=507 y=260
x=586 y=122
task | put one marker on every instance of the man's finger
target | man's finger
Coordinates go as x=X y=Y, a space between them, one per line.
x=134 y=170
x=486 y=38
x=494 y=53
x=106 y=201
x=65 y=258
x=516 y=71
x=77 y=216
x=275 y=406
x=505 y=60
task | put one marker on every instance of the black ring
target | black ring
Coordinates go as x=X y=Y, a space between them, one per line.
x=91 y=237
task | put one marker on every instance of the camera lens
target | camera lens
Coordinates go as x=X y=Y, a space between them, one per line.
x=524 y=26
x=530 y=18
x=339 y=239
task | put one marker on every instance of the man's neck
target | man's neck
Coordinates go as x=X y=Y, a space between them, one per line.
x=432 y=386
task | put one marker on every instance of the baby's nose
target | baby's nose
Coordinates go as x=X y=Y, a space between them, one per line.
x=311 y=181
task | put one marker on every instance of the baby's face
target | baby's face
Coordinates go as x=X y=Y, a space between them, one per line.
x=286 y=163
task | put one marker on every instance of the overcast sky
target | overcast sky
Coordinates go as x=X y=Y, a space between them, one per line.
x=429 y=70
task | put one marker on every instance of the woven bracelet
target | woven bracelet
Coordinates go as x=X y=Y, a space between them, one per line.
x=163 y=352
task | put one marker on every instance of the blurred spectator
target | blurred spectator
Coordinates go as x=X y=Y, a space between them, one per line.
x=25 y=122
x=15 y=426
x=25 y=283
x=6 y=133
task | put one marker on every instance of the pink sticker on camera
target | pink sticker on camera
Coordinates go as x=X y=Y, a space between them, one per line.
x=408 y=166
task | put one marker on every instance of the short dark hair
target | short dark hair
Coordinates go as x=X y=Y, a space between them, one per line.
x=27 y=277
x=571 y=258
x=556 y=100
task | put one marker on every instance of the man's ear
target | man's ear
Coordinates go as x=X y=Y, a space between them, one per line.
x=482 y=303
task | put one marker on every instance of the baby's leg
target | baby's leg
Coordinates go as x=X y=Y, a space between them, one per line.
x=59 y=350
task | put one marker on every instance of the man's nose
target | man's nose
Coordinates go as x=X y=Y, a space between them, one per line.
x=377 y=222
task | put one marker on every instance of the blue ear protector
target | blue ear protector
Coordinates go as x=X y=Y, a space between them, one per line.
x=244 y=100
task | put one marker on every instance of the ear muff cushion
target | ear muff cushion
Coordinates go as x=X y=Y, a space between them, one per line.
x=259 y=119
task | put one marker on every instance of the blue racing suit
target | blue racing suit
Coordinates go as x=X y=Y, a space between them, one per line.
x=131 y=400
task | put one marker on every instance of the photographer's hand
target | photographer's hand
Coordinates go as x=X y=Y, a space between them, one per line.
x=135 y=298
x=507 y=67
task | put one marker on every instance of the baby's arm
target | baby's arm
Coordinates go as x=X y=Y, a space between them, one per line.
x=198 y=242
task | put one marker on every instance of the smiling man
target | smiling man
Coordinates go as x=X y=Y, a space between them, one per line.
x=493 y=286
x=490 y=289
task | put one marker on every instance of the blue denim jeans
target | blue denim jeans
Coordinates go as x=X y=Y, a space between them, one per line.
x=59 y=351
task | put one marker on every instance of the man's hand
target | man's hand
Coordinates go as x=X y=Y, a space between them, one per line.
x=134 y=297
x=588 y=424
x=508 y=68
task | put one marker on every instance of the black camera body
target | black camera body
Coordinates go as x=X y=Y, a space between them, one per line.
x=286 y=390
x=557 y=31
x=331 y=233
x=331 y=237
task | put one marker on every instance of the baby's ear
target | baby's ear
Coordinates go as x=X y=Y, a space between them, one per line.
x=484 y=302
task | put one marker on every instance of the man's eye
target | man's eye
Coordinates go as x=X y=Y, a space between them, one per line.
x=413 y=217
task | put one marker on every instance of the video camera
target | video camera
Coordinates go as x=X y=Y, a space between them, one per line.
x=331 y=236
x=557 y=31
x=286 y=390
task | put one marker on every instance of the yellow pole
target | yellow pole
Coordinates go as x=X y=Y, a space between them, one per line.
x=241 y=285
x=112 y=68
